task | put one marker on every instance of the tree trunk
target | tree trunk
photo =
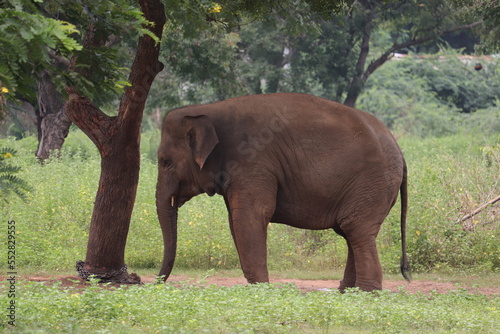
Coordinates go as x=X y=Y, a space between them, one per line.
x=118 y=139
x=52 y=122
x=359 y=78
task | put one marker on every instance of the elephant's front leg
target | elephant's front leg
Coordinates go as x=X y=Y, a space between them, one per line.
x=248 y=219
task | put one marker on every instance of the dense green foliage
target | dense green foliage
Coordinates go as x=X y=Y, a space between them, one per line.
x=331 y=58
x=435 y=95
x=489 y=12
x=419 y=95
x=26 y=40
x=425 y=96
x=260 y=308
x=448 y=178
x=10 y=184
x=39 y=36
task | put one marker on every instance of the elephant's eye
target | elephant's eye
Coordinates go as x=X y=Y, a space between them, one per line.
x=167 y=163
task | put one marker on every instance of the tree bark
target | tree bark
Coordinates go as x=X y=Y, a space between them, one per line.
x=118 y=139
x=52 y=122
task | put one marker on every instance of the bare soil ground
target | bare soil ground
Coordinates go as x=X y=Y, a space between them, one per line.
x=416 y=286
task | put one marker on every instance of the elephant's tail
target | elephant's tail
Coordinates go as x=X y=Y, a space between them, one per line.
x=405 y=263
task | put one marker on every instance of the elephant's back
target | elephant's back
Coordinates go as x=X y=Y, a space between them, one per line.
x=266 y=109
x=295 y=109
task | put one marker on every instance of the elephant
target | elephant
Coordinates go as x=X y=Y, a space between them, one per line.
x=286 y=158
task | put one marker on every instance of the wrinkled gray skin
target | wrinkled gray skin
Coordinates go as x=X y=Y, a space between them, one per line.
x=286 y=158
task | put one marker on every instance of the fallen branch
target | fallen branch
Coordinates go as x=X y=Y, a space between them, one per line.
x=475 y=212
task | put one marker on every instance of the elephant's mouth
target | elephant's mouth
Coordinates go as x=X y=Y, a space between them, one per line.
x=183 y=193
x=177 y=202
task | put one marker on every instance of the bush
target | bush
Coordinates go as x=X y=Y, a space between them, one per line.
x=438 y=96
x=452 y=77
x=449 y=178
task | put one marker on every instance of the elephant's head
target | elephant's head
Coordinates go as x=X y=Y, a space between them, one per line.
x=186 y=143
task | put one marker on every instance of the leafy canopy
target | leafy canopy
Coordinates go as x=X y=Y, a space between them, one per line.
x=48 y=36
x=26 y=39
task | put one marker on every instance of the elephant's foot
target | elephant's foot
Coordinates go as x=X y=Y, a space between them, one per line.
x=369 y=286
x=345 y=285
x=364 y=286
x=106 y=275
x=253 y=278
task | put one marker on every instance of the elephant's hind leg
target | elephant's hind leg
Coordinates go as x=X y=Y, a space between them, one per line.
x=363 y=269
x=368 y=268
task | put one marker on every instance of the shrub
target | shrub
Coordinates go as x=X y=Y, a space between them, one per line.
x=455 y=82
x=9 y=182
x=437 y=96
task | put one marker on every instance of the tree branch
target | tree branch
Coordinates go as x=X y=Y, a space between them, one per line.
x=96 y=124
x=475 y=212
x=374 y=65
x=91 y=120
x=61 y=61
x=145 y=66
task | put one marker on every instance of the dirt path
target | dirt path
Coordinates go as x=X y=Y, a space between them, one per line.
x=416 y=286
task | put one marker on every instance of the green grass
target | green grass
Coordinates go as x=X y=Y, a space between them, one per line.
x=264 y=308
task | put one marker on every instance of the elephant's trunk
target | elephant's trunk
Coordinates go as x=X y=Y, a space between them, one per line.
x=167 y=214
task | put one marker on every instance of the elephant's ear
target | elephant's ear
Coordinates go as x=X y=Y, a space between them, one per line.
x=201 y=137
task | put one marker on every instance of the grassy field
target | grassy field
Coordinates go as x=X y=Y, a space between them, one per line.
x=263 y=308
x=448 y=177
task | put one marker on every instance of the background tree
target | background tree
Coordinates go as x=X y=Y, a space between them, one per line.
x=332 y=57
x=27 y=40
x=487 y=11
x=47 y=46
x=353 y=56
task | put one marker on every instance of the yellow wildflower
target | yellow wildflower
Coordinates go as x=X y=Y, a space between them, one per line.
x=5 y=90
x=7 y=155
x=216 y=8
